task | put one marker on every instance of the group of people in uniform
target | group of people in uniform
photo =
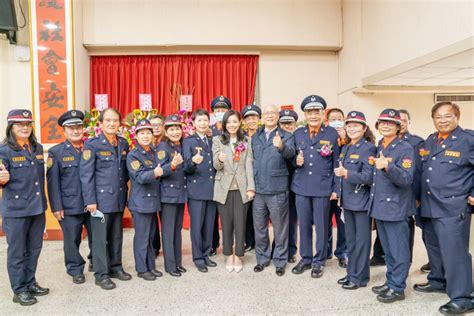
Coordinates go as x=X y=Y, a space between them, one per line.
x=250 y=169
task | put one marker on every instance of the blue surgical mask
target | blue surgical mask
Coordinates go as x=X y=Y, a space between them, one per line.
x=336 y=124
x=98 y=214
x=219 y=116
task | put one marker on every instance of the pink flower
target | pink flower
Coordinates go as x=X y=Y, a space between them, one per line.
x=326 y=150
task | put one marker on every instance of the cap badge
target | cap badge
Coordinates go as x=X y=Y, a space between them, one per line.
x=73 y=113
x=221 y=98
x=391 y=113
x=313 y=98
x=353 y=114
x=26 y=114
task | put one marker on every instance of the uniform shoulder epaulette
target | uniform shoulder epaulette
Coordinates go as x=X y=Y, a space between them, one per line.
x=55 y=147
x=469 y=131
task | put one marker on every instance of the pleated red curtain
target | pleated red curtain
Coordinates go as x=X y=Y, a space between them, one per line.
x=123 y=78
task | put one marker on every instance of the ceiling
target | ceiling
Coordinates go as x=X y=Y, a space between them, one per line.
x=455 y=70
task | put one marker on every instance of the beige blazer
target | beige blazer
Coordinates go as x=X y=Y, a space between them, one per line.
x=226 y=171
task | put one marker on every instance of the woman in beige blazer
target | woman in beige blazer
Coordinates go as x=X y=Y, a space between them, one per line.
x=234 y=185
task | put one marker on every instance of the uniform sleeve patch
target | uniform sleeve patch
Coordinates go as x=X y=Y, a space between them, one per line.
x=135 y=165
x=406 y=163
x=86 y=154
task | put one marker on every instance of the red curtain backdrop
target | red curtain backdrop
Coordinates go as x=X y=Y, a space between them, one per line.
x=203 y=76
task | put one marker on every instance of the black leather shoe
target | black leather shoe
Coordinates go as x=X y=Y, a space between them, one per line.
x=24 y=298
x=390 y=296
x=157 y=273
x=426 y=268
x=213 y=252
x=427 y=288
x=249 y=248
x=261 y=267
x=350 y=286
x=379 y=289
x=79 y=279
x=175 y=273
x=202 y=269
x=146 y=276
x=343 y=280
x=292 y=259
x=91 y=267
x=121 y=275
x=208 y=262
x=453 y=308
x=36 y=290
x=300 y=267
x=376 y=262
x=317 y=272
x=105 y=284
x=342 y=263
x=181 y=269
x=280 y=271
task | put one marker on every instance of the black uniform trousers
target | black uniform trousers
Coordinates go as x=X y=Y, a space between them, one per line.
x=171 y=226
x=143 y=250
x=341 y=247
x=107 y=244
x=25 y=240
x=202 y=215
x=71 y=226
x=358 y=234
x=157 y=237
x=447 y=243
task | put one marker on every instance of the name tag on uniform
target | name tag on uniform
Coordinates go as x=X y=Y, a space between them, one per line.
x=148 y=162
x=18 y=159
x=71 y=158
x=353 y=156
x=451 y=153
x=105 y=153
x=325 y=142
x=39 y=157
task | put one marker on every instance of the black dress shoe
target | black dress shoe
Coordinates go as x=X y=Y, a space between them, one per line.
x=376 y=262
x=24 y=298
x=427 y=288
x=157 y=273
x=79 y=279
x=121 y=275
x=280 y=271
x=261 y=267
x=105 y=284
x=317 y=272
x=175 y=273
x=342 y=263
x=292 y=259
x=181 y=269
x=36 y=290
x=452 y=308
x=380 y=289
x=390 y=296
x=249 y=248
x=343 y=280
x=426 y=268
x=91 y=267
x=213 y=252
x=149 y=276
x=350 y=286
x=208 y=262
x=202 y=269
x=300 y=267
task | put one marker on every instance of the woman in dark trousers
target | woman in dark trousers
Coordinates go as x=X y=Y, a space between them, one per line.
x=144 y=200
x=355 y=172
x=173 y=194
x=23 y=205
x=234 y=186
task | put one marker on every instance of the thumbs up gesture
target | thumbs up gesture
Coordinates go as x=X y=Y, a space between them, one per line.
x=197 y=158
x=381 y=162
x=222 y=156
x=300 y=159
x=177 y=159
x=340 y=171
x=158 y=171
x=277 y=141
x=4 y=175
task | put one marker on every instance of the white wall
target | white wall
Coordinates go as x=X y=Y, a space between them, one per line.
x=15 y=77
x=303 y=23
